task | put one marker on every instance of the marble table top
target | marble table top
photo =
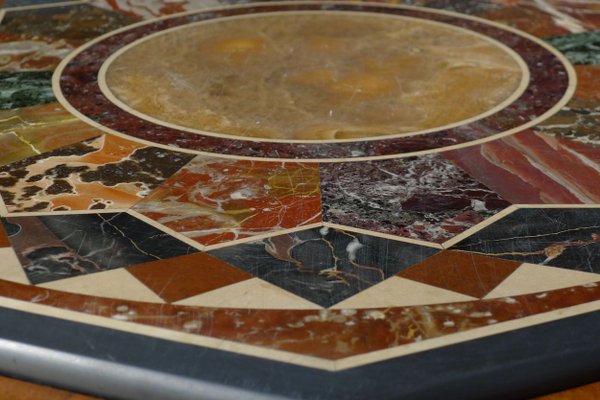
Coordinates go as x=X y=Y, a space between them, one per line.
x=300 y=199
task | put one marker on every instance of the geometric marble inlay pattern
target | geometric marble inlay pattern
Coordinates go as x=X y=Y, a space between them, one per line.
x=369 y=200
x=88 y=68
x=324 y=265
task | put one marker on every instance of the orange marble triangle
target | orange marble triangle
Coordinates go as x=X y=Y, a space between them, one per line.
x=462 y=272
x=177 y=278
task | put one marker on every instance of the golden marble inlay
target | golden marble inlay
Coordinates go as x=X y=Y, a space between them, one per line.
x=313 y=76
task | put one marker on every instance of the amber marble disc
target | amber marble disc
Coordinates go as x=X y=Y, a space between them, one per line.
x=314 y=76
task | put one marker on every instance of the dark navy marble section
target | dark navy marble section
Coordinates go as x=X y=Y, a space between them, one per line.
x=22 y=89
x=324 y=265
x=566 y=238
x=63 y=246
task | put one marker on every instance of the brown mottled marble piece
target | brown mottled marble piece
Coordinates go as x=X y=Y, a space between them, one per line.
x=104 y=172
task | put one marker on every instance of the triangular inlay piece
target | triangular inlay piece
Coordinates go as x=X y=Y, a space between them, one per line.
x=462 y=272
x=531 y=278
x=10 y=267
x=400 y=292
x=251 y=293
x=116 y=283
x=181 y=277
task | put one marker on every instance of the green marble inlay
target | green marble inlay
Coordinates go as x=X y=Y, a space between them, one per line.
x=22 y=89
x=579 y=48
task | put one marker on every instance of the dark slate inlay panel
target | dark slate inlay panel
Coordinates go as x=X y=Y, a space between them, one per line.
x=560 y=237
x=324 y=265
x=63 y=246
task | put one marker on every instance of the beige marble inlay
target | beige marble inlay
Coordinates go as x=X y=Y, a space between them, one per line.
x=531 y=278
x=400 y=292
x=10 y=267
x=252 y=293
x=115 y=284
x=313 y=76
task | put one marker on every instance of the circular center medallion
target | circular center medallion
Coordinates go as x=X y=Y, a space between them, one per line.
x=319 y=81
x=314 y=76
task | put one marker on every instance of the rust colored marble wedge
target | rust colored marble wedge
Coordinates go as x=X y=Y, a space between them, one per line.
x=177 y=278
x=462 y=272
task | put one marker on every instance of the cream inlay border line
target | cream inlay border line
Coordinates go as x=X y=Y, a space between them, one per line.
x=583 y=206
x=262 y=236
x=108 y=93
x=567 y=96
x=445 y=245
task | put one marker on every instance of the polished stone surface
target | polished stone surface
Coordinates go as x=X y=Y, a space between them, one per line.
x=313 y=76
x=83 y=86
x=413 y=265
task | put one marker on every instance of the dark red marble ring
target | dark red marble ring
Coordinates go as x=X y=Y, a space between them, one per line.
x=549 y=82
